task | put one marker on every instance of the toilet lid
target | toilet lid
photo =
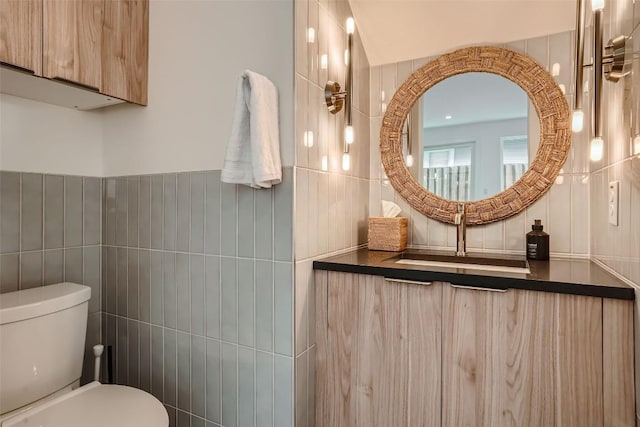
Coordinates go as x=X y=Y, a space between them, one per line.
x=96 y=405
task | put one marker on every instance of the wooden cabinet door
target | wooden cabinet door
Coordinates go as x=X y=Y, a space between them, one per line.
x=125 y=50
x=72 y=41
x=21 y=34
x=378 y=346
x=521 y=358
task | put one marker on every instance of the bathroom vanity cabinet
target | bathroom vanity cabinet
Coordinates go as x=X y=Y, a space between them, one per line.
x=99 y=45
x=394 y=352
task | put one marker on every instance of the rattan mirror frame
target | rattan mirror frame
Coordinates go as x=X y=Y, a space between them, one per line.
x=553 y=149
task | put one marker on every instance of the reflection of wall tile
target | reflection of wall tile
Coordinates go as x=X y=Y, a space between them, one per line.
x=561 y=54
x=538 y=49
x=301 y=49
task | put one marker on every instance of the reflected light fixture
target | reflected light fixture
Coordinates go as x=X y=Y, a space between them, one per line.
x=636 y=145
x=336 y=99
x=308 y=139
x=608 y=62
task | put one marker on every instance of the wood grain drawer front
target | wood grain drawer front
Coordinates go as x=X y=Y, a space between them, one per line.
x=378 y=352
x=21 y=34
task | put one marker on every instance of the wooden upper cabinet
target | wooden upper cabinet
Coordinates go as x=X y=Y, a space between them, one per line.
x=125 y=49
x=21 y=34
x=72 y=40
x=97 y=44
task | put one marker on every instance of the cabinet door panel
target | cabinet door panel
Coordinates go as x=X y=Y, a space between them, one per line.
x=378 y=352
x=579 y=367
x=21 y=34
x=468 y=357
x=73 y=40
x=125 y=49
x=618 y=355
x=521 y=358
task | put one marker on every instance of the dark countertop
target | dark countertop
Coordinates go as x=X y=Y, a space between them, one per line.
x=566 y=276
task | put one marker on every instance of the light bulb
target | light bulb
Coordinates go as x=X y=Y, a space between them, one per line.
x=308 y=139
x=346 y=162
x=348 y=134
x=636 y=145
x=597 y=5
x=351 y=26
x=409 y=160
x=311 y=35
x=325 y=163
x=597 y=149
x=577 y=121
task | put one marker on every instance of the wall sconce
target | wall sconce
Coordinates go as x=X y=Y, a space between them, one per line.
x=336 y=99
x=608 y=62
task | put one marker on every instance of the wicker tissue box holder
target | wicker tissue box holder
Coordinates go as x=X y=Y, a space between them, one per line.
x=387 y=234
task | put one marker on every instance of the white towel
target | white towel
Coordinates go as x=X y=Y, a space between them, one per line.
x=253 y=152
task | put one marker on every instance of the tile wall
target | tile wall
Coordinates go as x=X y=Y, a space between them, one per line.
x=49 y=233
x=332 y=205
x=562 y=210
x=198 y=295
x=618 y=247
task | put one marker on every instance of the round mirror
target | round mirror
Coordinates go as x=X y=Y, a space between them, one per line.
x=456 y=168
x=471 y=136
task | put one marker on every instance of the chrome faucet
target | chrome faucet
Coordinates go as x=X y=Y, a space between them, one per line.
x=460 y=220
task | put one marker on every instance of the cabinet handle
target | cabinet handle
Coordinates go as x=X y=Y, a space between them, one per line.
x=412 y=282
x=477 y=288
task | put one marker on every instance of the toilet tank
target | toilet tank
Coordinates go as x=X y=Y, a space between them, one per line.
x=42 y=333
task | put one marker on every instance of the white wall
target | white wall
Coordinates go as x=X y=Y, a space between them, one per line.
x=197 y=50
x=38 y=137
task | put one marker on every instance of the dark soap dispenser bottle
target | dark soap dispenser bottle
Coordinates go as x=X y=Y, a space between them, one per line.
x=537 y=242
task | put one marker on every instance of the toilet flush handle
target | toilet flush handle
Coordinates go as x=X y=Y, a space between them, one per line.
x=97 y=352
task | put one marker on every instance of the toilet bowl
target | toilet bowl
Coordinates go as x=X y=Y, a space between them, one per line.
x=42 y=333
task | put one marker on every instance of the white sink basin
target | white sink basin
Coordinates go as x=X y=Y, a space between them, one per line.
x=505 y=265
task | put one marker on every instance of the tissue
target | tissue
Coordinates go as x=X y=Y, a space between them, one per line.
x=390 y=209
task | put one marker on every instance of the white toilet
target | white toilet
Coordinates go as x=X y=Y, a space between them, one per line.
x=42 y=333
